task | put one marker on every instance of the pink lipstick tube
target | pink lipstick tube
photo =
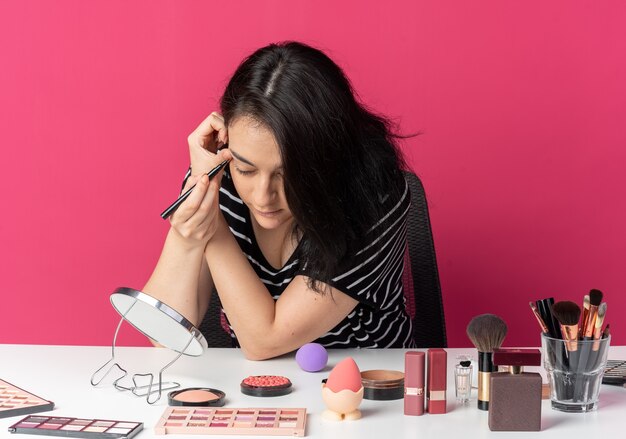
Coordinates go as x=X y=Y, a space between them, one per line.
x=414 y=383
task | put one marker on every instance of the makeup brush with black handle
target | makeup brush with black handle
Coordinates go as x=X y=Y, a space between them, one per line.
x=487 y=332
x=568 y=314
x=544 y=306
x=176 y=204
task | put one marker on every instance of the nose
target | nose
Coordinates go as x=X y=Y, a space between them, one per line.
x=265 y=192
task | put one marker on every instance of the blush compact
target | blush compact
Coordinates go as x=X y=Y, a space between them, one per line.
x=266 y=385
x=197 y=397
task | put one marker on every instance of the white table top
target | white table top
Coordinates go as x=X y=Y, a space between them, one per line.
x=62 y=374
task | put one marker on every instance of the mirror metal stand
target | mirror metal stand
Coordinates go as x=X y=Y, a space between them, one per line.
x=136 y=389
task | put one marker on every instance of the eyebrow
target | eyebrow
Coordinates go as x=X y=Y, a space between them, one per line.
x=242 y=159
x=246 y=161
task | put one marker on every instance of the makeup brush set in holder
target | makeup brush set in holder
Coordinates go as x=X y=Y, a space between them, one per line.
x=575 y=348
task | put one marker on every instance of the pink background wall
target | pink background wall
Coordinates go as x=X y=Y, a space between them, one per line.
x=523 y=156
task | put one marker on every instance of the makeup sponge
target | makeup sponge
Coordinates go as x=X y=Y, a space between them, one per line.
x=312 y=357
x=345 y=375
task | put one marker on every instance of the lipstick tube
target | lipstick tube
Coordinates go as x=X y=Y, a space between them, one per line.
x=414 y=363
x=437 y=381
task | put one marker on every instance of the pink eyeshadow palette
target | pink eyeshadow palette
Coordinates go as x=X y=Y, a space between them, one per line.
x=74 y=427
x=17 y=402
x=232 y=421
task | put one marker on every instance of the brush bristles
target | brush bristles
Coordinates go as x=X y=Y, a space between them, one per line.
x=566 y=312
x=595 y=297
x=487 y=332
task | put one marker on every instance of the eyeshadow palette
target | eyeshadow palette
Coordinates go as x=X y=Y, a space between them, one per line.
x=75 y=427
x=17 y=402
x=227 y=421
x=615 y=373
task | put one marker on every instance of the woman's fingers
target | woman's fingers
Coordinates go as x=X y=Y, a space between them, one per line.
x=204 y=142
x=222 y=131
x=224 y=154
x=189 y=207
x=209 y=133
x=209 y=204
x=195 y=218
x=207 y=212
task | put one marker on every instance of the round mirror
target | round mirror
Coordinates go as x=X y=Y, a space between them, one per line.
x=157 y=321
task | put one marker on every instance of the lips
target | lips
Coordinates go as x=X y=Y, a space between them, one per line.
x=268 y=214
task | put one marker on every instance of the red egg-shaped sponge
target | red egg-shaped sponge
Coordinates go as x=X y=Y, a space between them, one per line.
x=345 y=375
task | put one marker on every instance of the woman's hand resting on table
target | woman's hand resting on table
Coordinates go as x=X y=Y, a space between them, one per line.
x=196 y=220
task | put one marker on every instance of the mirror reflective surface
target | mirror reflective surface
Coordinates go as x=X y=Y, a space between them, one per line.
x=158 y=321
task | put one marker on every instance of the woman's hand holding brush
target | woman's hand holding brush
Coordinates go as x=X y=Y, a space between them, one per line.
x=204 y=143
x=194 y=215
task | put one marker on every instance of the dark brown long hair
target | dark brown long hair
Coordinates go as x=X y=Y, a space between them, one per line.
x=338 y=157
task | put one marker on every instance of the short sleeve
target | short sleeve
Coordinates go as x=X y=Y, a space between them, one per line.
x=372 y=273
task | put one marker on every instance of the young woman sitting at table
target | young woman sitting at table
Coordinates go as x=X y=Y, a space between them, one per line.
x=303 y=234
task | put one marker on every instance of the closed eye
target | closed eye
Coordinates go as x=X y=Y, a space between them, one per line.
x=242 y=172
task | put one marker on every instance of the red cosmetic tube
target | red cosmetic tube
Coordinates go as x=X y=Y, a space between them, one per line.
x=414 y=363
x=437 y=381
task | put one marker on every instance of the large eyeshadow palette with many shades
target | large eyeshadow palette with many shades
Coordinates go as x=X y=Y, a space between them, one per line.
x=233 y=421
x=615 y=373
x=76 y=427
x=16 y=402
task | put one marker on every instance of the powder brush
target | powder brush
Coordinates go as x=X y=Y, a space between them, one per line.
x=487 y=332
x=568 y=315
